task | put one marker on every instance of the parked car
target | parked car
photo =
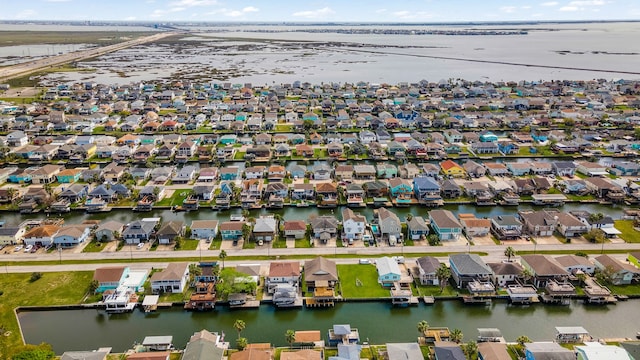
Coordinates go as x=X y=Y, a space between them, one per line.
x=140 y=245
x=28 y=248
x=18 y=248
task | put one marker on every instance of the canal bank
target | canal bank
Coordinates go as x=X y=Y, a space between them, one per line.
x=378 y=322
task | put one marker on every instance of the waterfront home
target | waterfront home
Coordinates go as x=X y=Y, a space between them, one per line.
x=621 y=273
x=10 y=235
x=110 y=278
x=305 y=354
x=452 y=169
x=496 y=169
x=539 y=223
x=232 y=230
x=16 y=139
x=169 y=231
x=506 y=227
x=547 y=350
x=321 y=171
x=427 y=268
x=386 y=171
x=364 y=172
x=624 y=168
x=204 y=345
x=505 y=273
x=303 y=192
x=329 y=194
x=468 y=268
x=73 y=192
x=139 y=231
x=474 y=227
x=564 y=168
x=400 y=189
x=591 y=168
x=595 y=351
x=203 y=192
x=541 y=168
x=417 y=228
x=353 y=224
x=519 y=169
x=450 y=189
x=343 y=172
x=485 y=148
x=204 y=229
x=343 y=334
x=184 y=175
x=45 y=174
x=208 y=174
x=321 y=277
x=155 y=355
x=574 y=264
x=108 y=230
x=427 y=191
x=605 y=189
x=71 y=235
x=543 y=269
x=569 y=226
x=445 y=225
x=265 y=229
x=389 y=225
x=493 y=351
x=296 y=229
x=297 y=171
x=448 y=350
x=40 y=235
x=229 y=173
x=388 y=271
x=67 y=176
x=474 y=169
x=404 y=351
x=254 y=172
x=408 y=171
x=283 y=273
x=172 y=279
x=324 y=227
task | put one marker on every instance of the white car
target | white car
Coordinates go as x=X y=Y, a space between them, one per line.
x=140 y=245
x=18 y=248
x=28 y=248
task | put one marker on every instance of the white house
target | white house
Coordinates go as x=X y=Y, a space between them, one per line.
x=69 y=236
x=388 y=271
x=204 y=229
x=352 y=224
x=173 y=279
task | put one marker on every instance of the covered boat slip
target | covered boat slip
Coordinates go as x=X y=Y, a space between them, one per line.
x=150 y=303
x=572 y=334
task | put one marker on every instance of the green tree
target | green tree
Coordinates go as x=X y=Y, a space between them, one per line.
x=526 y=275
x=290 y=337
x=35 y=276
x=423 y=327
x=456 y=336
x=34 y=352
x=443 y=273
x=509 y=252
x=470 y=350
x=239 y=325
x=222 y=256
x=523 y=339
x=241 y=343
x=93 y=286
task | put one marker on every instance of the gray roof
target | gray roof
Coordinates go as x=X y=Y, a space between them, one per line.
x=342 y=329
x=428 y=264
x=202 y=349
x=549 y=351
x=157 y=340
x=404 y=351
x=448 y=351
x=444 y=219
x=506 y=268
x=265 y=224
x=86 y=355
x=506 y=220
x=469 y=264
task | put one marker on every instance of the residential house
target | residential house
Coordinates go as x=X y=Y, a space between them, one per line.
x=204 y=229
x=353 y=225
x=204 y=345
x=265 y=229
x=231 y=230
x=296 y=229
x=321 y=172
x=445 y=225
x=109 y=230
x=547 y=350
x=505 y=273
x=474 y=227
x=40 y=235
x=389 y=225
x=388 y=271
x=570 y=226
x=427 y=269
x=10 y=235
x=467 y=268
x=71 y=235
x=73 y=193
x=283 y=273
x=543 y=269
x=404 y=351
x=539 y=223
x=474 y=169
x=324 y=227
x=427 y=191
x=173 y=279
x=574 y=264
x=621 y=273
x=320 y=273
x=110 y=278
x=170 y=231
x=46 y=174
x=452 y=169
x=184 y=175
x=496 y=169
x=564 y=168
x=417 y=228
x=506 y=227
x=139 y=231
x=596 y=351
x=493 y=351
x=446 y=350
x=303 y=192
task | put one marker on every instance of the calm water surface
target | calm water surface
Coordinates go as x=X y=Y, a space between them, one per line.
x=379 y=322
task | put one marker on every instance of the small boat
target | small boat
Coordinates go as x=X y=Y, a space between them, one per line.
x=638 y=335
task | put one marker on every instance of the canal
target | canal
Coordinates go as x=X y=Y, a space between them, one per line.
x=296 y=213
x=377 y=321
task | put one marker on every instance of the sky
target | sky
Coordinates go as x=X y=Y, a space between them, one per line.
x=321 y=11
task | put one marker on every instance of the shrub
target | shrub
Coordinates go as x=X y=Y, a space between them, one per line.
x=35 y=276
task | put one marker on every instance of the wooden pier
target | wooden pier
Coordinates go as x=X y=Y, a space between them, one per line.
x=428 y=300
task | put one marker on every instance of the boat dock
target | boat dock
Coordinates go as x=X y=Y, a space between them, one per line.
x=150 y=303
x=428 y=300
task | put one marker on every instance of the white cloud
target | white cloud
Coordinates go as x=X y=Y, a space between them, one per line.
x=161 y=12
x=314 y=14
x=234 y=13
x=249 y=9
x=526 y=7
x=57 y=0
x=508 y=9
x=381 y=11
x=549 y=3
x=25 y=14
x=587 y=3
x=569 y=8
x=130 y=18
x=192 y=3
x=412 y=15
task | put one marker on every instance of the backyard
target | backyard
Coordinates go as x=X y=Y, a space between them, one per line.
x=628 y=232
x=360 y=281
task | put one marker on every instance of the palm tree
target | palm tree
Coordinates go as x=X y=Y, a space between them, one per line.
x=509 y=252
x=456 y=336
x=241 y=343
x=526 y=275
x=222 y=256
x=239 y=325
x=290 y=336
x=522 y=339
x=443 y=273
x=470 y=350
x=423 y=327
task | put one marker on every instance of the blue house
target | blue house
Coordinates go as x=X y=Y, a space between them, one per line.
x=488 y=137
x=388 y=271
x=19 y=176
x=399 y=186
x=466 y=268
x=445 y=225
x=229 y=173
x=110 y=278
x=625 y=168
x=426 y=188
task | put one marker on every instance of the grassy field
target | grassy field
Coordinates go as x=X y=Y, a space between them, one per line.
x=360 y=281
x=423 y=290
x=189 y=244
x=94 y=246
x=13 y=38
x=176 y=199
x=629 y=234
x=56 y=288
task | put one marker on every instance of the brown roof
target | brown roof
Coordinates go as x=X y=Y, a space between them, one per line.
x=284 y=269
x=506 y=268
x=543 y=265
x=306 y=354
x=150 y=355
x=251 y=354
x=174 y=271
x=320 y=269
x=293 y=225
x=204 y=224
x=494 y=351
x=231 y=225
x=326 y=187
x=108 y=274
x=308 y=336
x=42 y=231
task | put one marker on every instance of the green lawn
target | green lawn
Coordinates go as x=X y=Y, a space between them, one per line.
x=320 y=153
x=239 y=155
x=625 y=289
x=424 y=290
x=94 y=246
x=360 y=281
x=55 y=288
x=279 y=244
x=303 y=243
x=629 y=234
x=188 y=244
x=176 y=199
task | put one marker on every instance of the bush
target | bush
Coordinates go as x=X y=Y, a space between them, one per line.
x=35 y=276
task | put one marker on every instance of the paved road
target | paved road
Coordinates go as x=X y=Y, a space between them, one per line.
x=495 y=254
x=36 y=65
